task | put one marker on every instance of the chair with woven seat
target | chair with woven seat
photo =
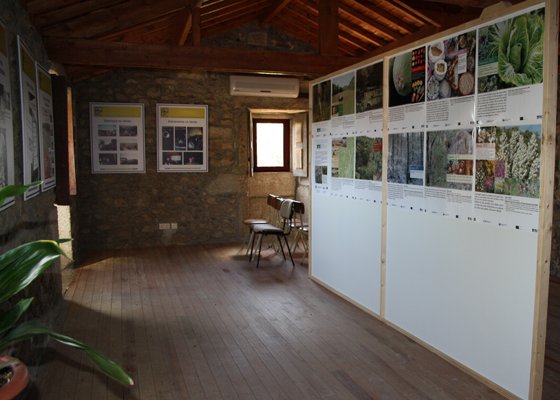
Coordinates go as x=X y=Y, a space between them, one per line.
x=282 y=231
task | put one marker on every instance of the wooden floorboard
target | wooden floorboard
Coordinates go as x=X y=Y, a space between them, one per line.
x=201 y=322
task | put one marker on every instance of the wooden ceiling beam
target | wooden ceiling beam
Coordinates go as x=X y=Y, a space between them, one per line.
x=233 y=13
x=60 y=15
x=273 y=11
x=167 y=20
x=224 y=25
x=40 y=6
x=226 y=8
x=362 y=34
x=119 y=17
x=384 y=30
x=127 y=55
x=375 y=8
x=420 y=17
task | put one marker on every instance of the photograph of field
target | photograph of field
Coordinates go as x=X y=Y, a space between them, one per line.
x=449 y=159
x=369 y=158
x=343 y=95
x=342 y=162
x=369 y=88
x=406 y=158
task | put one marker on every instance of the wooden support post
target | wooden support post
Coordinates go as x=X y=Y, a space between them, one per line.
x=548 y=167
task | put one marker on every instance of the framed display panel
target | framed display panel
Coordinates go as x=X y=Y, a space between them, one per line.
x=467 y=175
x=29 y=120
x=182 y=137
x=46 y=128
x=117 y=138
x=6 y=123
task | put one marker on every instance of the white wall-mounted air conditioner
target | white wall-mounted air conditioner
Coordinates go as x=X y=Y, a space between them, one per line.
x=263 y=86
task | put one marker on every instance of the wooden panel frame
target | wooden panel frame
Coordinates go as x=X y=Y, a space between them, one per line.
x=547 y=172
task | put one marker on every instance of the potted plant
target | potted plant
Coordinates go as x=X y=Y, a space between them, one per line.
x=18 y=268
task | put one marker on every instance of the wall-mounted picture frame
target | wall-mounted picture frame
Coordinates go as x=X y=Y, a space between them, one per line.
x=46 y=128
x=29 y=120
x=6 y=122
x=182 y=131
x=117 y=138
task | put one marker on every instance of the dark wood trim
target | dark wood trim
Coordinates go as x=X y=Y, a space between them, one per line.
x=131 y=55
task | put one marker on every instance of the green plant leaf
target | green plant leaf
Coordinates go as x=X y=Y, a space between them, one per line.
x=33 y=328
x=20 y=266
x=8 y=320
x=15 y=190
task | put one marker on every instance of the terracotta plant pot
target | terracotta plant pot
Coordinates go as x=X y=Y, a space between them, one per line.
x=18 y=381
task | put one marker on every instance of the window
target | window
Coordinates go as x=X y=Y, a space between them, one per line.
x=271 y=145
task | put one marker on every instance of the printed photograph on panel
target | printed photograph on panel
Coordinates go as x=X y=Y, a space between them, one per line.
x=369 y=88
x=510 y=52
x=342 y=161
x=322 y=101
x=406 y=77
x=343 y=95
x=369 y=158
x=449 y=159
x=508 y=160
x=406 y=158
x=451 y=67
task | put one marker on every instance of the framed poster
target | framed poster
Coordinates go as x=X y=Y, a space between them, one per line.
x=6 y=125
x=117 y=138
x=46 y=128
x=29 y=120
x=182 y=137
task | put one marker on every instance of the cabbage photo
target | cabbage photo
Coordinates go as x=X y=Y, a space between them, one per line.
x=511 y=52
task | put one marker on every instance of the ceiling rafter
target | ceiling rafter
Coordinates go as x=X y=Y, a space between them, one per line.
x=382 y=30
x=373 y=8
x=273 y=11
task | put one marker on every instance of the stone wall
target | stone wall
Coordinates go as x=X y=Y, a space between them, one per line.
x=35 y=218
x=124 y=210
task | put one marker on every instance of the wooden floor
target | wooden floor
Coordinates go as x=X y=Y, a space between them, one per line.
x=201 y=323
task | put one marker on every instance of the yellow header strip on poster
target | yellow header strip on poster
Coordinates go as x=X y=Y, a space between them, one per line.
x=3 y=48
x=27 y=64
x=118 y=111
x=45 y=82
x=183 y=112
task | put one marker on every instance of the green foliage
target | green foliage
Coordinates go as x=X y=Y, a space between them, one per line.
x=18 y=268
x=519 y=44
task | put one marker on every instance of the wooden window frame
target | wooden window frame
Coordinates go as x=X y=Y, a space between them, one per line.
x=287 y=145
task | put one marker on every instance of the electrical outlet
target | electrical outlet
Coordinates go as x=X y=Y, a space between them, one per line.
x=163 y=226
x=173 y=225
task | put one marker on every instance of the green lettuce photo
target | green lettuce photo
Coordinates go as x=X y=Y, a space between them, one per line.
x=517 y=47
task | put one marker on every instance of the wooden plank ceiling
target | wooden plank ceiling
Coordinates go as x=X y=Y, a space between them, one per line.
x=92 y=36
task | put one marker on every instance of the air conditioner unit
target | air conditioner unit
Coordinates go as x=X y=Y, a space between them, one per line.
x=263 y=86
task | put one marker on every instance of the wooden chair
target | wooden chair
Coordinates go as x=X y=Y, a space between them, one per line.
x=282 y=231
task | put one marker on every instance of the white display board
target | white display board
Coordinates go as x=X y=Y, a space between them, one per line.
x=347 y=239
x=445 y=247
x=465 y=289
